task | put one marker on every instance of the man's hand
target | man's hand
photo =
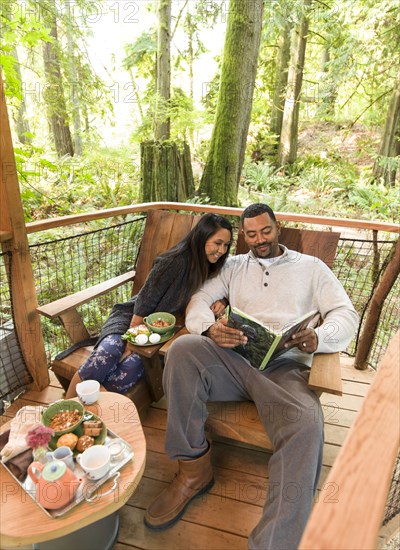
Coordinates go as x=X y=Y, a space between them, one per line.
x=224 y=336
x=306 y=340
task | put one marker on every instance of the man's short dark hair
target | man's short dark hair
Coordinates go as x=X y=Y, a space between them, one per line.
x=257 y=209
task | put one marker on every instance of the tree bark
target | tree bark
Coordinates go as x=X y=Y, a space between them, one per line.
x=328 y=88
x=21 y=118
x=288 y=143
x=76 y=118
x=54 y=96
x=390 y=143
x=163 y=71
x=220 y=180
x=281 y=78
x=166 y=172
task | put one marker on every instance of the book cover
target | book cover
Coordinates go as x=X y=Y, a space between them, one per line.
x=264 y=343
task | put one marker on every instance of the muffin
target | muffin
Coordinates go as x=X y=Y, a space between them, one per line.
x=68 y=440
x=84 y=442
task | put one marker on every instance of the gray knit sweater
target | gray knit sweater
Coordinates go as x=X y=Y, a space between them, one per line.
x=162 y=291
x=277 y=295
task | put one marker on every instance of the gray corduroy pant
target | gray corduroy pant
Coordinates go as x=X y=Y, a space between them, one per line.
x=197 y=371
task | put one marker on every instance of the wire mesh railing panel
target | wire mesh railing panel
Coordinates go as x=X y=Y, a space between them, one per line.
x=65 y=266
x=14 y=374
x=358 y=265
x=392 y=508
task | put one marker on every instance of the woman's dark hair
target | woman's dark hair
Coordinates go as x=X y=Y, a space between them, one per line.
x=194 y=245
x=257 y=209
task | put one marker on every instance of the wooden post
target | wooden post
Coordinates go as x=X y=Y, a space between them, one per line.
x=14 y=239
x=374 y=311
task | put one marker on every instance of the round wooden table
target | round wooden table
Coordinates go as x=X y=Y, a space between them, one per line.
x=22 y=522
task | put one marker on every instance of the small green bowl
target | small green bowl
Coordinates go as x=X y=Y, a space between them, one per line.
x=168 y=317
x=60 y=406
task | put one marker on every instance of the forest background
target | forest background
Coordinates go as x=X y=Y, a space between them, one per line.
x=84 y=85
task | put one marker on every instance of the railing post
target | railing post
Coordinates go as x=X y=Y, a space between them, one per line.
x=375 y=307
x=14 y=240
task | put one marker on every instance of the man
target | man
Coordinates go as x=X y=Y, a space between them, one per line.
x=277 y=286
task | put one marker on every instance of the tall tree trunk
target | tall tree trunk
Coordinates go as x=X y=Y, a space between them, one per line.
x=390 y=143
x=166 y=170
x=163 y=71
x=21 y=118
x=220 y=180
x=281 y=78
x=288 y=143
x=328 y=88
x=55 y=99
x=76 y=119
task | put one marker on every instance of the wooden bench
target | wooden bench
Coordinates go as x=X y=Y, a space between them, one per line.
x=163 y=230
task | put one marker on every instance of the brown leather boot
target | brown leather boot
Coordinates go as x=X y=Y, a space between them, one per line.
x=194 y=478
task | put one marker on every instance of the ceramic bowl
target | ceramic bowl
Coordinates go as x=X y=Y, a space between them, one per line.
x=160 y=315
x=62 y=406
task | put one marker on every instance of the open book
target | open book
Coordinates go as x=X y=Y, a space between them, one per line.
x=264 y=343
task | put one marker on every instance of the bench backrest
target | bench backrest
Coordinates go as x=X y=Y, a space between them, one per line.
x=165 y=229
x=162 y=231
x=321 y=244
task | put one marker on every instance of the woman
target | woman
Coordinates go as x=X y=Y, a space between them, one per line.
x=174 y=278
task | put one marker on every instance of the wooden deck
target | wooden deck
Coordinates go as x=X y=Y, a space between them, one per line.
x=223 y=518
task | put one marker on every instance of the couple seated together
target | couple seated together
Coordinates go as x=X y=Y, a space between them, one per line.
x=198 y=278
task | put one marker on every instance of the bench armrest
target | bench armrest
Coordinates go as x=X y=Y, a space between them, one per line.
x=325 y=374
x=65 y=308
x=58 y=307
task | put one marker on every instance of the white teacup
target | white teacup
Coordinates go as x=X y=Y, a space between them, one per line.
x=64 y=454
x=88 y=391
x=95 y=461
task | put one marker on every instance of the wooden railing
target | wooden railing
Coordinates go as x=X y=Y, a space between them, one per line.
x=42 y=225
x=362 y=473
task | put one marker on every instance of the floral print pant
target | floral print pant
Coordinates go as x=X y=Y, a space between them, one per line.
x=104 y=365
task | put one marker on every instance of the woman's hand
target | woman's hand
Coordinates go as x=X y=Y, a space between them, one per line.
x=218 y=308
x=224 y=336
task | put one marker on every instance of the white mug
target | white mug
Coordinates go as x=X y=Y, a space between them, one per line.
x=64 y=454
x=95 y=461
x=88 y=391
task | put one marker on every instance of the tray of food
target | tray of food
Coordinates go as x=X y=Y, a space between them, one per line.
x=156 y=328
x=81 y=455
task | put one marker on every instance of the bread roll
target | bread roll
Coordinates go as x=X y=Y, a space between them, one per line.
x=84 y=442
x=68 y=440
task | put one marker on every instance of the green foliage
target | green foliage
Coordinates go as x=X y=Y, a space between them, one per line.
x=141 y=53
x=380 y=200
x=57 y=187
x=324 y=186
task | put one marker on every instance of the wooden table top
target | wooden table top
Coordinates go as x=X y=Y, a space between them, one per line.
x=22 y=522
